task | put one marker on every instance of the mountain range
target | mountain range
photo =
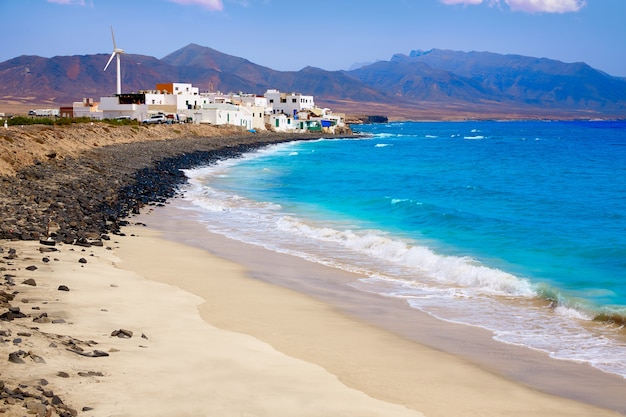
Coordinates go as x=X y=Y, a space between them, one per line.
x=434 y=84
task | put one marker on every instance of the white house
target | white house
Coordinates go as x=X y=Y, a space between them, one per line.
x=280 y=122
x=221 y=114
x=256 y=115
x=86 y=108
x=287 y=103
x=249 y=100
x=124 y=105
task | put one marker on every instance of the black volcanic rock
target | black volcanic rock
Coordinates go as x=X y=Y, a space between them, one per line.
x=90 y=196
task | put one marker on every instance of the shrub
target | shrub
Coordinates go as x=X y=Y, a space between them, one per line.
x=121 y=122
x=23 y=120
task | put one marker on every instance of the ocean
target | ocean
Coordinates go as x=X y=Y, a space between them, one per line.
x=515 y=227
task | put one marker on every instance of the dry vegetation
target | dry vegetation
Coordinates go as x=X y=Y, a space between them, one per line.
x=21 y=146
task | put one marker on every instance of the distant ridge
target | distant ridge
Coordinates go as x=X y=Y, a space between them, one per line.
x=433 y=84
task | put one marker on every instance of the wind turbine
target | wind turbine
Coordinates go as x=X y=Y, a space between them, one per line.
x=116 y=53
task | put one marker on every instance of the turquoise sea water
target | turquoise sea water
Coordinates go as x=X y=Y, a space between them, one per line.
x=516 y=227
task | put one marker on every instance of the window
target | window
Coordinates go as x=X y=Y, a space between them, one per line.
x=293 y=100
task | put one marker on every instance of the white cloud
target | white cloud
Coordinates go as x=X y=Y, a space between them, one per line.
x=207 y=4
x=547 y=6
x=529 y=6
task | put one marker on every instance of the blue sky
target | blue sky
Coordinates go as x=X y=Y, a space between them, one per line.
x=329 y=34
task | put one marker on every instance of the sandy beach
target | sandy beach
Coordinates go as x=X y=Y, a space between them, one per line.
x=208 y=337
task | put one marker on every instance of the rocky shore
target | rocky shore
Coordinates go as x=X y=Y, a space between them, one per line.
x=83 y=195
x=67 y=190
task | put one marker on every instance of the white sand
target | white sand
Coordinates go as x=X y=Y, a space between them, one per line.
x=205 y=354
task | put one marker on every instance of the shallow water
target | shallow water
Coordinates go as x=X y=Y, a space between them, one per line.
x=516 y=227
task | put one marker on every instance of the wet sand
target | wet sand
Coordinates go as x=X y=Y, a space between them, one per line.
x=183 y=331
x=374 y=344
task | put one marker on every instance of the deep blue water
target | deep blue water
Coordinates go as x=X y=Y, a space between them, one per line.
x=517 y=227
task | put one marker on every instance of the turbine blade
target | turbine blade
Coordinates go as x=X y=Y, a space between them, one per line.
x=113 y=37
x=109 y=61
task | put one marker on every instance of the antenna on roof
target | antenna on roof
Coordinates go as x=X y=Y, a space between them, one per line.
x=116 y=53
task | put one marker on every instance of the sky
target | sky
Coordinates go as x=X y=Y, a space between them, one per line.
x=330 y=34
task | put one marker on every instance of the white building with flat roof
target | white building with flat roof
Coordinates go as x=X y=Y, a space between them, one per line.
x=116 y=106
x=247 y=117
x=287 y=103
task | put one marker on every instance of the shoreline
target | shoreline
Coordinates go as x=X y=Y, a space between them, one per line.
x=208 y=336
x=472 y=346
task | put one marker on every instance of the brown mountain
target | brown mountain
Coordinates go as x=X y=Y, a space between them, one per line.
x=434 y=84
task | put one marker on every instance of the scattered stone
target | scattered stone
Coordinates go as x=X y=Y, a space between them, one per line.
x=30 y=281
x=87 y=408
x=82 y=242
x=12 y=314
x=36 y=358
x=90 y=373
x=63 y=288
x=15 y=357
x=42 y=318
x=58 y=321
x=122 y=333
x=45 y=259
x=95 y=354
x=35 y=407
x=63 y=374
x=47 y=242
x=31 y=268
x=82 y=260
x=143 y=336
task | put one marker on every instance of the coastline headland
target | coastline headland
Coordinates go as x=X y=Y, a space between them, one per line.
x=107 y=318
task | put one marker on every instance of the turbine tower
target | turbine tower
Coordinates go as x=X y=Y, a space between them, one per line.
x=116 y=53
